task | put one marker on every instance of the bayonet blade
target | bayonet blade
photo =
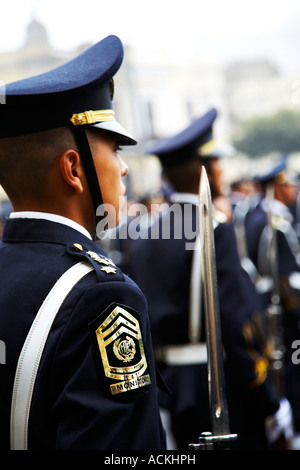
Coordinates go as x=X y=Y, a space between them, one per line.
x=218 y=404
x=216 y=381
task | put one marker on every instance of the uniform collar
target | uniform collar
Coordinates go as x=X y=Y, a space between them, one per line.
x=52 y=218
x=40 y=230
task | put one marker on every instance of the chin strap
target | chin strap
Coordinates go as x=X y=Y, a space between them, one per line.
x=89 y=168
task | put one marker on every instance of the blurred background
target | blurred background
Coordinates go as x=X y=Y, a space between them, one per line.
x=181 y=58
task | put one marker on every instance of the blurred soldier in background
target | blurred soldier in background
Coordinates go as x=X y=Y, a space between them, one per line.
x=137 y=215
x=164 y=265
x=245 y=190
x=274 y=249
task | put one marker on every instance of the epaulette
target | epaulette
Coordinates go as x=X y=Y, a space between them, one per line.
x=105 y=268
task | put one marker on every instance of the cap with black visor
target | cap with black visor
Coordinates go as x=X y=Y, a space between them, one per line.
x=77 y=94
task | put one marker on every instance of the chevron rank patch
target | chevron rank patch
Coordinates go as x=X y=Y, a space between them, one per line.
x=118 y=339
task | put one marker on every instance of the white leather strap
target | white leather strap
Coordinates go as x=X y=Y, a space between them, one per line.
x=32 y=352
x=182 y=354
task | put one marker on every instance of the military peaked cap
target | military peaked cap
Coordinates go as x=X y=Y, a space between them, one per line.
x=194 y=141
x=76 y=93
x=279 y=174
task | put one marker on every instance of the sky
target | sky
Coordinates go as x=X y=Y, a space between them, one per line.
x=230 y=29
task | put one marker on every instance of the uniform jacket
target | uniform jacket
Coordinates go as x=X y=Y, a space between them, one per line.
x=73 y=406
x=162 y=268
x=288 y=269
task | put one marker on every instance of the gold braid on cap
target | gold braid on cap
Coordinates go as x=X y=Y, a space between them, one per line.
x=207 y=148
x=91 y=117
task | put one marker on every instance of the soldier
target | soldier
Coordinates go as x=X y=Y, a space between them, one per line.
x=79 y=370
x=274 y=248
x=162 y=265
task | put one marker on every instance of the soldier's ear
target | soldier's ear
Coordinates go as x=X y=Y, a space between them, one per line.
x=71 y=170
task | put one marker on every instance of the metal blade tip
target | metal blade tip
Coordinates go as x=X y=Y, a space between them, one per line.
x=204 y=187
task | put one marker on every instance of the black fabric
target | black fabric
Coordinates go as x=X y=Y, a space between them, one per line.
x=161 y=266
x=89 y=168
x=70 y=410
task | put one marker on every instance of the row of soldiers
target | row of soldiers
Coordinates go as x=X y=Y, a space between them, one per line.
x=258 y=270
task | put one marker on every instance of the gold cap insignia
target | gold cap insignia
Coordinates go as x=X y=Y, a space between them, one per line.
x=207 y=148
x=92 y=117
x=121 y=347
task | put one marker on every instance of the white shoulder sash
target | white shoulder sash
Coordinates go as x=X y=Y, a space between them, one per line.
x=32 y=352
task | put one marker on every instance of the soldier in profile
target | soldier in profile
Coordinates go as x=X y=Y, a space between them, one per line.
x=80 y=370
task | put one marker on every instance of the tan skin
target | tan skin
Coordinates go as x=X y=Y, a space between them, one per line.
x=186 y=177
x=286 y=193
x=66 y=190
x=215 y=177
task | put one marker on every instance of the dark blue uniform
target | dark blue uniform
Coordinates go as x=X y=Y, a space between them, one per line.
x=96 y=382
x=162 y=268
x=289 y=292
x=73 y=406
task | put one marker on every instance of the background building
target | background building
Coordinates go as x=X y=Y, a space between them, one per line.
x=157 y=95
